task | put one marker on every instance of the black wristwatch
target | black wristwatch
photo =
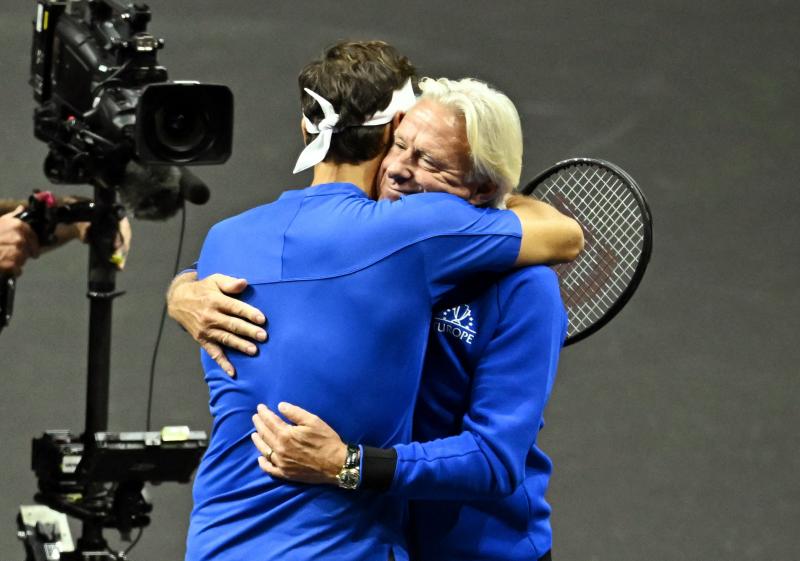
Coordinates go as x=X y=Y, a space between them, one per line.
x=350 y=475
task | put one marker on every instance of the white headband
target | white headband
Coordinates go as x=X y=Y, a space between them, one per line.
x=402 y=100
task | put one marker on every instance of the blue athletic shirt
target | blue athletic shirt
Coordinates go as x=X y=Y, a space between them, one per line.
x=348 y=285
x=488 y=374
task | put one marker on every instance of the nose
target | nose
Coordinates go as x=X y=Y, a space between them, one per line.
x=399 y=169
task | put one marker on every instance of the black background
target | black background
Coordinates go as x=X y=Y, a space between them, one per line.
x=674 y=430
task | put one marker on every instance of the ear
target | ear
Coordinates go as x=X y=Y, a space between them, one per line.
x=303 y=131
x=388 y=132
x=393 y=124
x=483 y=194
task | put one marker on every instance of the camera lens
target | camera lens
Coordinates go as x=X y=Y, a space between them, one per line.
x=181 y=129
x=184 y=123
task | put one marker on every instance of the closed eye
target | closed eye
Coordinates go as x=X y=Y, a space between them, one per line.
x=430 y=162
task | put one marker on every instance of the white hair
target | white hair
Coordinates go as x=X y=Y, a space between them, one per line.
x=494 y=132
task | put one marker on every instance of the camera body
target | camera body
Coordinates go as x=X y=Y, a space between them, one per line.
x=104 y=99
x=63 y=463
x=102 y=480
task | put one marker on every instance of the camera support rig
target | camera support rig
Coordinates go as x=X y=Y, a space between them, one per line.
x=104 y=105
x=99 y=478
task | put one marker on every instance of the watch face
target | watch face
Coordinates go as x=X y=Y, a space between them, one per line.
x=348 y=478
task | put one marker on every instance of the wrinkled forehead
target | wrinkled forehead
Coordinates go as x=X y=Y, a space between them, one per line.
x=433 y=118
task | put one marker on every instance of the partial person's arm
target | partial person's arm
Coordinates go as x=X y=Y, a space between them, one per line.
x=18 y=241
x=214 y=319
x=548 y=236
x=511 y=385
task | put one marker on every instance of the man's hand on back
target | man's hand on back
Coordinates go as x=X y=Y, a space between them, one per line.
x=214 y=319
x=308 y=451
x=17 y=243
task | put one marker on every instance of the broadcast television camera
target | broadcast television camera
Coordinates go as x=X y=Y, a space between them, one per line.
x=105 y=100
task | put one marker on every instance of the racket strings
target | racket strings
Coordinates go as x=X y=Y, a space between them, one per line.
x=602 y=202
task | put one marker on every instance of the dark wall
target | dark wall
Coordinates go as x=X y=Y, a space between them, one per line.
x=674 y=430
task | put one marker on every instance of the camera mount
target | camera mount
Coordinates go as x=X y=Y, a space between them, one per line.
x=111 y=119
x=99 y=477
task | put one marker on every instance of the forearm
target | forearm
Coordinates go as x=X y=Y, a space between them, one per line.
x=548 y=236
x=7 y=205
x=66 y=233
x=455 y=468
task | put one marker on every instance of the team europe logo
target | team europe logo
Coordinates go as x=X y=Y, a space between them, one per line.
x=458 y=322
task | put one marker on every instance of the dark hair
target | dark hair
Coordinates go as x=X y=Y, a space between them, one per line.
x=358 y=78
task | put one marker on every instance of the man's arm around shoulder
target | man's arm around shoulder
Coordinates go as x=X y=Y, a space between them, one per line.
x=547 y=235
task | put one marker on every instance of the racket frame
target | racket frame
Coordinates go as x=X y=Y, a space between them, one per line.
x=647 y=236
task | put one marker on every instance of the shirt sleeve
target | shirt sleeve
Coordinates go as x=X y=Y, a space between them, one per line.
x=456 y=239
x=511 y=385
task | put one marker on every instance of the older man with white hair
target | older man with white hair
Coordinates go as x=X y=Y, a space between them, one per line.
x=474 y=468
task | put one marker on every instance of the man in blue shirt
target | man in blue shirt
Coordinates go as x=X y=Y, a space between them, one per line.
x=489 y=370
x=347 y=284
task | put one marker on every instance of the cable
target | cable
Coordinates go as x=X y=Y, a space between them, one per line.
x=111 y=78
x=161 y=323
x=123 y=554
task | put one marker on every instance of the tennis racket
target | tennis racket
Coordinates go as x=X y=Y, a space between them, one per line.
x=618 y=235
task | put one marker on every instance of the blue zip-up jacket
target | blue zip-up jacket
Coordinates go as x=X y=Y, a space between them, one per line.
x=488 y=373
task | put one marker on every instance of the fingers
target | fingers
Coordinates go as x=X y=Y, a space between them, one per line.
x=18 y=242
x=229 y=285
x=83 y=231
x=10 y=268
x=230 y=340
x=122 y=244
x=275 y=424
x=218 y=355
x=212 y=317
x=271 y=469
x=30 y=239
x=241 y=327
x=266 y=432
x=237 y=308
x=297 y=415
x=262 y=446
x=26 y=239
x=233 y=314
